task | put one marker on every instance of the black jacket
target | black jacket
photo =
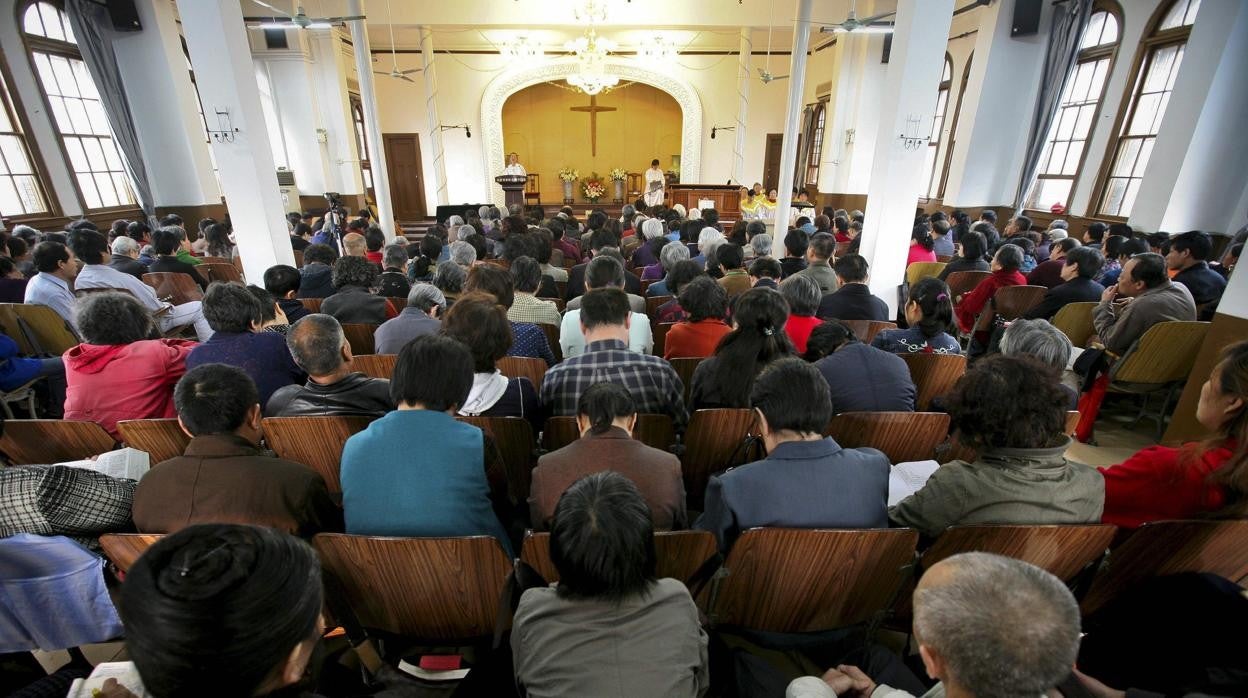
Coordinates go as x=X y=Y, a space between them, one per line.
x=355 y=395
x=295 y=311
x=169 y=263
x=791 y=265
x=124 y=264
x=354 y=304
x=963 y=264
x=317 y=281
x=1078 y=290
x=394 y=284
x=852 y=302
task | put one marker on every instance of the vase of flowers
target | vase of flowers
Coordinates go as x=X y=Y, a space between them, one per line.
x=568 y=176
x=593 y=188
x=618 y=177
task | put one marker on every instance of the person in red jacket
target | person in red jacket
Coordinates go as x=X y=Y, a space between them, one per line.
x=118 y=372
x=706 y=302
x=1005 y=265
x=1161 y=482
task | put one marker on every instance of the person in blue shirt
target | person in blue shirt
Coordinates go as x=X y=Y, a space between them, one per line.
x=16 y=371
x=929 y=314
x=417 y=471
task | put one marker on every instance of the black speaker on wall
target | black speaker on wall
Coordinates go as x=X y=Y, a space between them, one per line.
x=1026 y=18
x=124 y=15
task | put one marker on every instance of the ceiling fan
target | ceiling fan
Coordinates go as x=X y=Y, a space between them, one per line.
x=865 y=25
x=394 y=71
x=764 y=73
x=299 y=20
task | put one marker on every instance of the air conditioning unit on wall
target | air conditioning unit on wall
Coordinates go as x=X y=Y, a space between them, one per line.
x=286 y=185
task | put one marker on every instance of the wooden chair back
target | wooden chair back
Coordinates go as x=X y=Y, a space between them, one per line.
x=711 y=439
x=659 y=331
x=944 y=258
x=789 y=580
x=524 y=367
x=375 y=365
x=312 y=304
x=865 y=330
x=552 y=338
x=1171 y=547
x=678 y=554
x=516 y=444
x=1075 y=321
x=38 y=329
x=902 y=436
x=934 y=375
x=653 y=303
x=1012 y=301
x=1165 y=354
x=122 y=549
x=317 y=442
x=533 y=189
x=175 y=287
x=46 y=441
x=963 y=282
x=207 y=259
x=360 y=336
x=224 y=272
x=685 y=368
x=654 y=430
x=298 y=259
x=922 y=270
x=162 y=439
x=436 y=590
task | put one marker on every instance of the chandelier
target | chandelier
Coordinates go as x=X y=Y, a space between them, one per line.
x=522 y=48
x=591 y=55
x=659 y=51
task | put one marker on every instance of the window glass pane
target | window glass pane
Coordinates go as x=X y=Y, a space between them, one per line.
x=1113 y=196
x=9 y=200
x=1047 y=192
x=1066 y=123
x=1126 y=157
x=1083 y=123
x=78 y=116
x=61 y=115
x=1128 y=198
x=65 y=82
x=1141 y=160
x=1092 y=35
x=15 y=160
x=95 y=156
x=122 y=183
x=1110 y=36
x=1098 y=79
x=1072 y=158
x=1145 y=114
x=32 y=23
x=104 y=183
x=83 y=78
x=1181 y=13
x=1159 y=68
x=52 y=26
x=77 y=158
x=30 y=194
x=87 y=186
x=111 y=155
x=1174 y=68
x=1059 y=157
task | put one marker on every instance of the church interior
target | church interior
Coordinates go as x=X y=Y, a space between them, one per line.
x=879 y=139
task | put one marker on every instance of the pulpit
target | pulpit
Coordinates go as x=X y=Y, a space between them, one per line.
x=513 y=188
x=724 y=198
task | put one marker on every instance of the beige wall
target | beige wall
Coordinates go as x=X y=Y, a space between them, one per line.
x=539 y=125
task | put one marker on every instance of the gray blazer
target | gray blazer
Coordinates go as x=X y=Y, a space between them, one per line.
x=1120 y=323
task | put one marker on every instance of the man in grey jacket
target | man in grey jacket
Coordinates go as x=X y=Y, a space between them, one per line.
x=1143 y=297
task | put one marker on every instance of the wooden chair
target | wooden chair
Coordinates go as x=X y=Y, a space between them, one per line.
x=45 y=441
x=533 y=190
x=654 y=302
x=659 y=331
x=1012 y=302
x=175 y=287
x=439 y=591
x=122 y=549
x=963 y=282
x=375 y=365
x=312 y=304
x=922 y=270
x=1171 y=547
x=654 y=430
x=944 y=258
x=1075 y=321
x=552 y=338
x=902 y=436
x=207 y=259
x=317 y=442
x=678 y=554
x=298 y=259
x=805 y=580
x=710 y=441
x=865 y=330
x=162 y=439
x=934 y=375
x=224 y=272
x=516 y=444
x=37 y=329
x=1158 y=362
x=21 y=395
x=523 y=366
x=204 y=273
x=684 y=368
x=360 y=337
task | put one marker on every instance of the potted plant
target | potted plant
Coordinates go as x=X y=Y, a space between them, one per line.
x=618 y=177
x=593 y=188
x=568 y=176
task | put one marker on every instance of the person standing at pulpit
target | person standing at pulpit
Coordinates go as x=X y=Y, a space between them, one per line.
x=514 y=168
x=655 y=181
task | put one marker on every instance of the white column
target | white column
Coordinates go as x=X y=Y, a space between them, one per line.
x=226 y=77
x=333 y=104
x=910 y=87
x=1000 y=99
x=853 y=111
x=289 y=77
x=172 y=136
x=744 y=76
x=1192 y=182
x=372 y=122
x=431 y=113
x=792 y=119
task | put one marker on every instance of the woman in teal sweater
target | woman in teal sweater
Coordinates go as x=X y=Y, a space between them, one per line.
x=416 y=471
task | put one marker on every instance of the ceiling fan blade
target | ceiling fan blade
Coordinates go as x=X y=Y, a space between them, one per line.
x=381 y=72
x=272 y=25
x=779 y=77
x=265 y=4
x=413 y=70
x=882 y=15
x=404 y=77
x=335 y=20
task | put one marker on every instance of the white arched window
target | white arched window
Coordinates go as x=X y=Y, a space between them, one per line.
x=930 y=181
x=20 y=190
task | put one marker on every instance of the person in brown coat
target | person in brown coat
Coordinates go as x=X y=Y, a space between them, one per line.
x=224 y=477
x=605 y=417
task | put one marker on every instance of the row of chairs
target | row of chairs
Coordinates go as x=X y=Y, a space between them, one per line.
x=445 y=590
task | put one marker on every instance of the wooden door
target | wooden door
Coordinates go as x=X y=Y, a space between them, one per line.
x=771 y=161
x=407 y=182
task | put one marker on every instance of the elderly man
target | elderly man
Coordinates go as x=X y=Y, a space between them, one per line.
x=985 y=625
x=319 y=348
x=463 y=254
x=425 y=305
x=1143 y=297
x=125 y=258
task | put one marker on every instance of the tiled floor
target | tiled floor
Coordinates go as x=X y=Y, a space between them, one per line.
x=1115 y=440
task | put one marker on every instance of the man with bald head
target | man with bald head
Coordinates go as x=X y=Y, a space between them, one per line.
x=319 y=347
x=986 y=625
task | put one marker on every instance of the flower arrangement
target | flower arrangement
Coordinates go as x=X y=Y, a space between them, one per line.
x=593 y=188
x=568 y=174
x=618 y=174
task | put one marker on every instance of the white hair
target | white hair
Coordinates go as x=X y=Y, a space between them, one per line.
x=680 y=210
x=761 y=244
x=454 y=222
x=652 y=228
x=125 y=245
x=463 y=253
x=1058 y=223
x=708 y=234
x=695 y=214
x=464 y=232
x=1038 y=339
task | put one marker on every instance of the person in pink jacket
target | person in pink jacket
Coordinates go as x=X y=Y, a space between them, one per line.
x=123 y=369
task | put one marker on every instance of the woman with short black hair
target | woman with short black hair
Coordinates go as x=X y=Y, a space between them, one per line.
x=971 y=249
x=609 y=627
x=354 y=279
x=929 y=314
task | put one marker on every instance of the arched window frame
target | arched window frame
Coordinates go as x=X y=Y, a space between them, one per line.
x=1154 y=42
x=1095 y=59
x=361 y=144
x=815 y=153
x=953 y=127
x=938 y=125
x=19 y=153
x=114 y=172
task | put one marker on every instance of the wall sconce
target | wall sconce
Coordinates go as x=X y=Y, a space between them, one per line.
x=911 y=140
x=224 y=134
x=721 y=128
x=467 y=130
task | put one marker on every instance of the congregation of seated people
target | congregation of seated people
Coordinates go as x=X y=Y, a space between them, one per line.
x=597 y=327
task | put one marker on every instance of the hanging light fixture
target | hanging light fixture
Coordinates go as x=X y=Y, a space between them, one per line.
x=591 y=53
x=658 y=51
x=523 y=48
